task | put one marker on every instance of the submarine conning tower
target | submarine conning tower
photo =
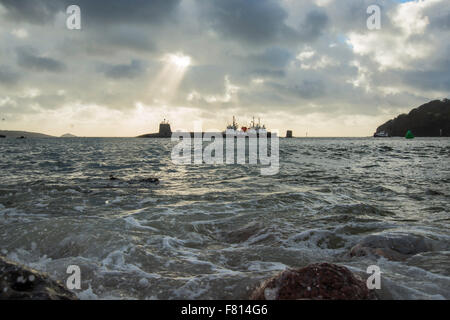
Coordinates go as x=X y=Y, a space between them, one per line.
x=164 y=129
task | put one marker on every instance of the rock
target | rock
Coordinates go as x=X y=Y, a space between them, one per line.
x=429 y=120
x=22 y=283
x=360 y=250
x=321 y=281
x=150 y=180
x=142 y=180
x=392 y=246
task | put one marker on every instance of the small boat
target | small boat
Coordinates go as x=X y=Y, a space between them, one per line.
x=381 y=134
x=234 y=129
x=254 y=128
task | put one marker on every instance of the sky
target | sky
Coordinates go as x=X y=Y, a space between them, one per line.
x=308 y=66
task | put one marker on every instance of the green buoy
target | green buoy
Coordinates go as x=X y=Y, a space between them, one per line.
x=409 y=135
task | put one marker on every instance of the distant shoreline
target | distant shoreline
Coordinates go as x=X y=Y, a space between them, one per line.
x=26 y=134
x=36 y=135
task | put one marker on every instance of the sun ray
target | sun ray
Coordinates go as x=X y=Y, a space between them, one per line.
x=166 y=83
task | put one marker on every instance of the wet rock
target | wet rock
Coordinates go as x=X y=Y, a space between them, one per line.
x=431 y=192
x=150 y=180
x=141 y=180
x=321 y=281
x=21 y=283
x=392 y=246
x=360 y=250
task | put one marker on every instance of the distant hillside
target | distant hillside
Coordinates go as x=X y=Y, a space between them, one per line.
x=26 y=134
x=429 y=120
x=68 y=135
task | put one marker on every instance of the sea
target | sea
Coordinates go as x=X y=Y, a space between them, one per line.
x=215 y=231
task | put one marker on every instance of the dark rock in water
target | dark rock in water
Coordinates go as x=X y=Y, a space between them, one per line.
x=321 y=281
x=429 y=120
x=360 y=250
x=150 y=180
x=2 y=136
x=392 y=246
x=142 y=180
x=21 y=283
x=431 y=192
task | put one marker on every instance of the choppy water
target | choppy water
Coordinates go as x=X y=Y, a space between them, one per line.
x=212 y=231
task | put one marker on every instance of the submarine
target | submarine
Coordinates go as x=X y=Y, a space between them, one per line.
x=165 y=131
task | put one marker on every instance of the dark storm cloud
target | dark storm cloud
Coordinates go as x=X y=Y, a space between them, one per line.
x=305 y=89
x=7 y=76
x=274 y=57
x=125 y=37
x=253 y=21
x=441 y=22
x=27 y=58
x=132 y=70
x=208 y=78
x=441 y=17
x=438 y=80
x=435 y=78
x=310 y=89
x=110 y=41
x=125 y=11
x=33 y=11
x=314 y=25
x=268 y=73
x=94 y=12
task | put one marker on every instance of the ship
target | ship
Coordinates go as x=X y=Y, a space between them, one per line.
x=254 y=129
x=257 y=129
x=381 y=134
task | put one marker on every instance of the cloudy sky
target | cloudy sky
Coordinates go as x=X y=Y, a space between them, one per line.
x=310 y=66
